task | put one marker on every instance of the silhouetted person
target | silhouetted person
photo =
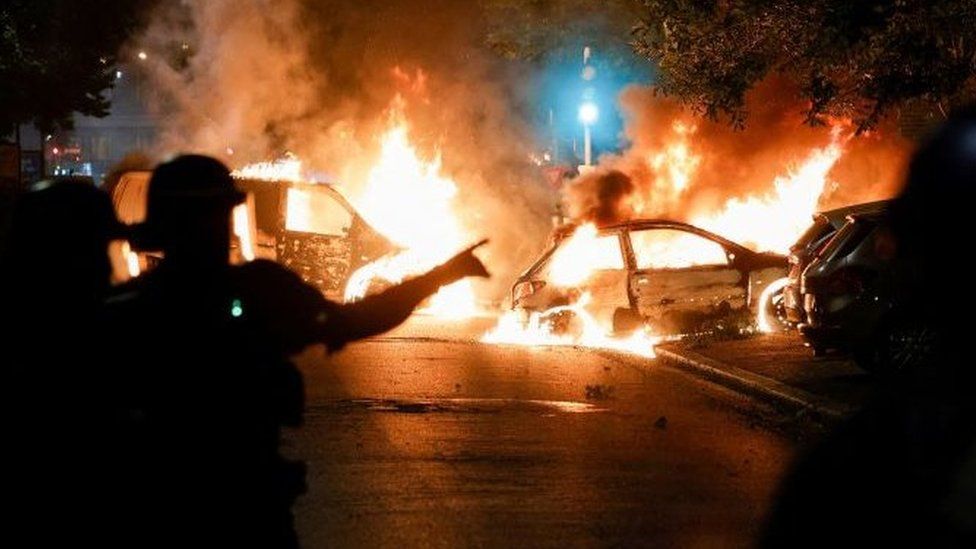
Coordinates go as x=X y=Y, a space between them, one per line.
x=202 y=350
x=54 y=276
x=902 y=473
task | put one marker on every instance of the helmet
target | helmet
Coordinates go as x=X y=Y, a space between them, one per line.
x=187 y=187
x=62 y=226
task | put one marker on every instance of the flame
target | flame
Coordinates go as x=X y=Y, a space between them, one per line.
x=242 y=228
x=131 y=259
x=584 y=252
x=287 y=168
x=774 y=221
x=538 y=331
x=409 y=201
x=677 y=161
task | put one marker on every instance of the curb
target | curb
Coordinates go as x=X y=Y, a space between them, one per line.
x=755 y=385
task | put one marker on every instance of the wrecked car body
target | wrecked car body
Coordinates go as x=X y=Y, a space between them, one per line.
x=669 y=275
x=308 y=227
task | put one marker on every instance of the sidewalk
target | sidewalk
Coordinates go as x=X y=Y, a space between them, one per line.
x=780 y=368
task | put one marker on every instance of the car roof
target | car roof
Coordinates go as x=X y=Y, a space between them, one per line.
x=640 y=224
x=838 y=216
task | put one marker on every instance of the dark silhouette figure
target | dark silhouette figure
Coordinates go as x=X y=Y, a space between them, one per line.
x=201 y=353
x=54 y=275
x=902 y=473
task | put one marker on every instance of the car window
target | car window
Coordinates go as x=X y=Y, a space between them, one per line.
x=312 y=210
x=813 y=236
x=674 y=249
x=578 y=257
x=848 y=238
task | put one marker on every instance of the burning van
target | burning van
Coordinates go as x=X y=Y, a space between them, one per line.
x=308 y=227
x=669 y=275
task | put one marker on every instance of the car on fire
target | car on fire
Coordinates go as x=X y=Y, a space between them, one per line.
x=669 y=275
x=308 y=227
x=825 y=225
x=851 y=304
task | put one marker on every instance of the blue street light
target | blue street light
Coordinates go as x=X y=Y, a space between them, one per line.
x=589 y=113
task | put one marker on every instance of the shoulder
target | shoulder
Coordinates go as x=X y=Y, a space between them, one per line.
x=272 y=283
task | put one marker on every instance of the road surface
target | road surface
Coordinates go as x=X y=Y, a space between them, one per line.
x=412 y=441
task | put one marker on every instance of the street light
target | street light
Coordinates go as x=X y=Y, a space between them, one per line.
x=588 y=115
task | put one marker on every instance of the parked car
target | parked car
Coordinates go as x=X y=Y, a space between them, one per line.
x=308 y=227
x=850 y=302
x=825 y=226
x=670 y=275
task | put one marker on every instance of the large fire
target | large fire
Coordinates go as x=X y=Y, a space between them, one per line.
x=409 y=201
x=769 y=221
x=773 y=221
x=406 y=199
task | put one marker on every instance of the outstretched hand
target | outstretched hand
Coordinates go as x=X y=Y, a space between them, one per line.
x=466 y=264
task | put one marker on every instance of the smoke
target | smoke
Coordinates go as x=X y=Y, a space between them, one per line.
x=680 y=165
x=252 y=79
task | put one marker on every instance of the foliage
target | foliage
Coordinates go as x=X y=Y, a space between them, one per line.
x=852 y=59
x=58 y=57
x=535 y=29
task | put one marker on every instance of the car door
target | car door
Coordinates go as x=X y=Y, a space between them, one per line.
x=608 y=283
x=315 y=241
x=591 y=267
x=679 y=278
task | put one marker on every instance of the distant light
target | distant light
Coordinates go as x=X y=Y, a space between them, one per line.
x=48 y=137
x=185 y=46
x=230 y=151
x=236 y=308
x=56 y=150
x=142 y=56
x=118 y=75
x=589 y=113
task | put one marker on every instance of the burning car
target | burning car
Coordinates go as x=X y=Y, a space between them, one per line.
x=850 y=302
x=670 y=275
x=308 y=227
x=811 y=242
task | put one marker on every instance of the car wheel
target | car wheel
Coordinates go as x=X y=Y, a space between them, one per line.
x=776 y=313
x=899 y=346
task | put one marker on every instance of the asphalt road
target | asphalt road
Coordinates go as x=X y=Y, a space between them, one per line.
x=415 y=441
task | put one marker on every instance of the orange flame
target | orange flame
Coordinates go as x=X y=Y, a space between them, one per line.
x=409 y=201
x=511 y=330
x=774 y=221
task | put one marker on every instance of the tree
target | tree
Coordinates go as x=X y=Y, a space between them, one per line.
x=58 y=57
x=852 y=59
x=533 y=30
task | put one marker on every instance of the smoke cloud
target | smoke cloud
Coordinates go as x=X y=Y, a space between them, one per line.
x=680 y=165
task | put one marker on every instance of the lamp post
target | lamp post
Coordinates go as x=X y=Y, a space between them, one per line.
x=588 y=115
x=588 y=111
